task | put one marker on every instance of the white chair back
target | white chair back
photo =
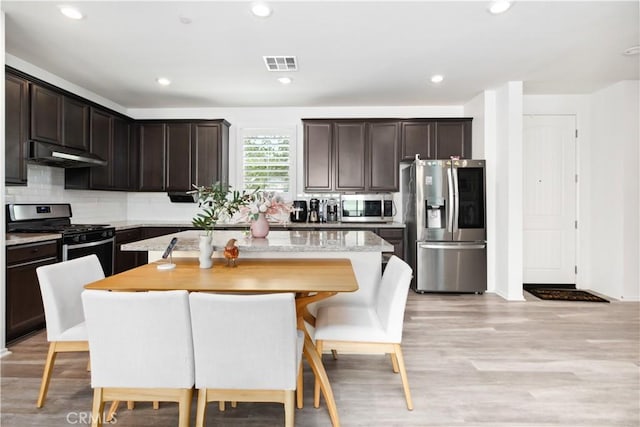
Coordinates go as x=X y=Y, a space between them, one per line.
x=139 y=339
x=245 y=342
x=392 y=297
x=61 y=285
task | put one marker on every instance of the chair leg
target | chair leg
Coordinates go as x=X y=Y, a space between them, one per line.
x=46 y=375
x=112 y=410
x=156 y=404
x=316 y=385
x=97 y=408
x=394 y=362
x=131 y=404
x=201 y=408
x=403 y=375
x=184 y=407
x=234 y=404
x=289 y=410
x=300 y=389
x=221 y=406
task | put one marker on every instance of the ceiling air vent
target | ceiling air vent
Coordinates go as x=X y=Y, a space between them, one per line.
x=280 y=63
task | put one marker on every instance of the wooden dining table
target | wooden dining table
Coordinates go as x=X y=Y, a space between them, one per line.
x=311 y=280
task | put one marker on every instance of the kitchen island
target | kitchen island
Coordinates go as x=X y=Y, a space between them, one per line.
x=363 y=248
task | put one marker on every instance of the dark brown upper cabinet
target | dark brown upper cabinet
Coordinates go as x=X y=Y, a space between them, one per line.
x=151 y=140
x=383 y=165
x=318 y=155
x=209 y=153
x=178 y=166
x=436 y=138
x=75 y=124
x=175 y=154
x=46 y=115
x=101 y=145
x=123 y=156
x=16 y=102
x=453 y=138
x=351 y=155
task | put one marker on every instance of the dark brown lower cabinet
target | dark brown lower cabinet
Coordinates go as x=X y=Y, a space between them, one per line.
x=126 y=260
x=24 y=310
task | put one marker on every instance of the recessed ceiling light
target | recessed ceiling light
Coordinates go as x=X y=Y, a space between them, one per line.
x=163 y=81
x=437 y=78
x=70 y=12
x=261 y=9
x=499 y=6
x=633 y=50
x=285 y=80
x=185 y=20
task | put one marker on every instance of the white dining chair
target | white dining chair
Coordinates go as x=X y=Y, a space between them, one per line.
x=61 y=285
x=141 y=348
x=371 y=329
x=246 y=349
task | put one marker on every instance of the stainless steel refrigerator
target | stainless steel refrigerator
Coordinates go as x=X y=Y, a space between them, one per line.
x=444 y=212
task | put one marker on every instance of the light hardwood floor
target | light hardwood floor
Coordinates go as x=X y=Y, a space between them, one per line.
x=472 y=360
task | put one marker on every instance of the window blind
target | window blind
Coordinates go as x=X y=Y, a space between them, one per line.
x=266 y=161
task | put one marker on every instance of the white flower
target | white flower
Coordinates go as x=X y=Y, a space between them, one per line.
x=263 y=207
x=254 y=209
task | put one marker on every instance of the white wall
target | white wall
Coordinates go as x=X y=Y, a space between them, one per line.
x=508 y=191
x=614 y=191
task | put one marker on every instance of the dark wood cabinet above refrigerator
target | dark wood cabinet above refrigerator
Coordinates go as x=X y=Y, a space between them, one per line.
x=436 y=138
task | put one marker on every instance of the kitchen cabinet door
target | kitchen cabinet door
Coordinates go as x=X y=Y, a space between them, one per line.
x=350 y=156
x=151 y=140
x=126 y=260
x=209 y=158
x=318 y=156
x=24 y=309
x=178 y=167
x=75 y=124
x=46 y=115
x=16 y=101
x=101 y=137
x=417 y=138
x=383 y=163
x=453 y=138
x=121 y=160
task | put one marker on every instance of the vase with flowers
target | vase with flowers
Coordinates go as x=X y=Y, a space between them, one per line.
x=217 y=202
x=262 y=207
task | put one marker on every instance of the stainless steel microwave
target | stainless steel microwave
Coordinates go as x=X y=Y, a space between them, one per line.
x=367 y=207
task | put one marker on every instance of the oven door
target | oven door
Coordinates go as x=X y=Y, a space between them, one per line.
x=104 y=250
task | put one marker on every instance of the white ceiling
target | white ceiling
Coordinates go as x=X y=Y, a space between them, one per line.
x=350 y=53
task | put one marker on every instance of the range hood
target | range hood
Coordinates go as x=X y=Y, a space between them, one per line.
x=182 y=197
x=58 y=156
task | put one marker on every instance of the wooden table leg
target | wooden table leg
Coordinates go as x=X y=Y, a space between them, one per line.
x=311 y=353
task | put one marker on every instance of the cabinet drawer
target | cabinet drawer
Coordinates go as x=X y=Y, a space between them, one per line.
x=26 y=253
x=126 y=236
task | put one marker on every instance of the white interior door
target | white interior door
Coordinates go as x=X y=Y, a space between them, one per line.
x=550 y=190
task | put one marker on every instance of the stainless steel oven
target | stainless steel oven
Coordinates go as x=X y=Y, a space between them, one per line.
x=367 y=207
x=77 y=239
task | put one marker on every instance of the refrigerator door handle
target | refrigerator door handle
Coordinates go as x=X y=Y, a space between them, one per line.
x=450 y=246
x=452 y=202
x=456 y=198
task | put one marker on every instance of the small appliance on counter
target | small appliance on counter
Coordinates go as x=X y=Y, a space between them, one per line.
x=332 y=210
x=299 y=212
x=314 y=210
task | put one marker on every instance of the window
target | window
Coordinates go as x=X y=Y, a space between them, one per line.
x=267 y=159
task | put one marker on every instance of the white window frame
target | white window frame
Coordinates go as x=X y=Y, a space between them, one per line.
x=275 y=130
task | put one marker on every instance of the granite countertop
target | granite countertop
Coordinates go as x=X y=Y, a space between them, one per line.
x=23 y=238
x=276 y=241
x=124 y=225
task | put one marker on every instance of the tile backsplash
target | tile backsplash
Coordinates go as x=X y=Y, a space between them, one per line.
x=46 y=185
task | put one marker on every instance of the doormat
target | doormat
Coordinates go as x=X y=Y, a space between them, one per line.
x=564 y=295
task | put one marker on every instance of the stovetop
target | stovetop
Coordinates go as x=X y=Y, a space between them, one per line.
x=59 y=228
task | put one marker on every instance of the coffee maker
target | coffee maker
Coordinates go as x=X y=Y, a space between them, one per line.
x=314 y=210
x=332 y=210
x=299 y=211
